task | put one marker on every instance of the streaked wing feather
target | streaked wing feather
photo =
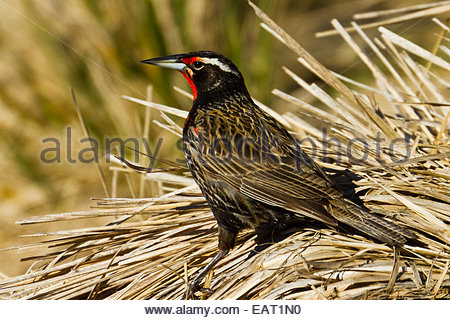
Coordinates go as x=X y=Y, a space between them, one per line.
x=277 y=185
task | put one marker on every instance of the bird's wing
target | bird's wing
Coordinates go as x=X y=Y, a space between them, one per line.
x=280 y=183
x=255 y=155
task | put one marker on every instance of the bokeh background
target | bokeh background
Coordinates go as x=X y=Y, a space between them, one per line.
x=48 y=47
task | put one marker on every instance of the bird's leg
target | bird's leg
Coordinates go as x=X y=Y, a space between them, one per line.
x=226 y=243
x=194 y=285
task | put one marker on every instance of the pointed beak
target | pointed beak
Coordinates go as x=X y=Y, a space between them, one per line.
x=171 y=62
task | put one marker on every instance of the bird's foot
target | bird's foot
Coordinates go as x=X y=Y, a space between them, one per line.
x=193 y=288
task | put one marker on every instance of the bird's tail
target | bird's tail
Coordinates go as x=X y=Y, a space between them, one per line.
x=351 y=214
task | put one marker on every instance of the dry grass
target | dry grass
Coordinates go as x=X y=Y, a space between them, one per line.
x=155 y=244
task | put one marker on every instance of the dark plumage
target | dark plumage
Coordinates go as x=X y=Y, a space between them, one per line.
x=250 y=169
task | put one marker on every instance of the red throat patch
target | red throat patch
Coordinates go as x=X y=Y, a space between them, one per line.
x=191 y=84
x=189 y=61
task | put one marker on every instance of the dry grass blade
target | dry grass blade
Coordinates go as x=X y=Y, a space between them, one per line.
x=411 y=47
x=309 y=61
x=87 y=135
x=152 y=246
x=438 y=8
x=160 y=107
x=380 y=13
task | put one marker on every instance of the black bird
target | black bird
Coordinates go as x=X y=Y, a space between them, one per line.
x=251 y=171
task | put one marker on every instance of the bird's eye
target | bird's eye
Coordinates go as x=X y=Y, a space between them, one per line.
x=198 y=64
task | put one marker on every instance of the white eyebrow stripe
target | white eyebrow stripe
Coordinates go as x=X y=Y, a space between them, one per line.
x=216 y=62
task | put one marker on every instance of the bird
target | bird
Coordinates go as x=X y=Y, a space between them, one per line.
x=250 y=169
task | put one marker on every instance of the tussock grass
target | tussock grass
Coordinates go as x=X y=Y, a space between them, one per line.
x=153 y=245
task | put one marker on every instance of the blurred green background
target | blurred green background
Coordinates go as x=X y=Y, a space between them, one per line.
x=47 y=47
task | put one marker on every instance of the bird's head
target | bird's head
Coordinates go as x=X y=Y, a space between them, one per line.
x=207 y=72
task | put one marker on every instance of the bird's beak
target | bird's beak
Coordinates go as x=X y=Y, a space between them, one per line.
x=171 y=62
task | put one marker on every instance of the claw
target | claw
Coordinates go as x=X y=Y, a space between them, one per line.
x=193 y=287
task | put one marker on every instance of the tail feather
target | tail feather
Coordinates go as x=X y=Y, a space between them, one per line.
x=349 y=213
